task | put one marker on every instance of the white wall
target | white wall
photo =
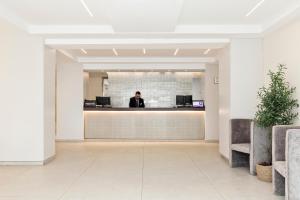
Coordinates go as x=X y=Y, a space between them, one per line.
x=86 y=77
x=22 y=95
x=246 y=75
x=70 y=83
x=95 y=85
x=49 y=102
x=224 y=100
x=283 y=46
x=211 y=103
x=241 y=75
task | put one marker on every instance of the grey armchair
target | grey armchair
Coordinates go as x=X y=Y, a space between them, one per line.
x=286 y=161
x=248 y=144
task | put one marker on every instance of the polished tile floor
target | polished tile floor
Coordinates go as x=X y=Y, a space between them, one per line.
x=133 y=171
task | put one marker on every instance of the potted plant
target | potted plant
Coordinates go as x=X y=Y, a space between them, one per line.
x=277 y=106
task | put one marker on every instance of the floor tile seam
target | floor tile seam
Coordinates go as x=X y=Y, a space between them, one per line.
x=143 y=166
x=208 y=178
x=77 y=178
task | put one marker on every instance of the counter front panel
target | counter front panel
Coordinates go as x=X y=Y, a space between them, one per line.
x=149 y=123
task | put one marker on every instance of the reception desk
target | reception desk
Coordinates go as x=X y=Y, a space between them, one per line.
x=144 y=124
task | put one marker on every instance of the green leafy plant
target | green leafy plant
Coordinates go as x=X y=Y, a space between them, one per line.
x=277 y=104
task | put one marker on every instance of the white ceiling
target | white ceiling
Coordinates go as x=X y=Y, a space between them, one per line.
x=160 y=26
x=232 y=11
x=118 y=16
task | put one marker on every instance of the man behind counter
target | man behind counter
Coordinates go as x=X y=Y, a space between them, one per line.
x=137 y=101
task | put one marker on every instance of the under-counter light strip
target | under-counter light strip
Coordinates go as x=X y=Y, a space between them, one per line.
x=196 y=112
x=176 y=52
x=115 y=51
x=254 y=8
x=144 y=51
x=83 y=51
x=87 y=8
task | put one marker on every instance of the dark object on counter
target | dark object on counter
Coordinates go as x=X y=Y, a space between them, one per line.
x=103 y=101
x=188 y=100
x=182 y=100
x=89 y=103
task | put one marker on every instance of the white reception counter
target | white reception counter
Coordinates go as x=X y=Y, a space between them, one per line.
x=145 y=124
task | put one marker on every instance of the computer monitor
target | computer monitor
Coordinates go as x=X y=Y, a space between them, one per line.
x=198 y=104
x=188 y=100
x=180 y=100
x=103 y=101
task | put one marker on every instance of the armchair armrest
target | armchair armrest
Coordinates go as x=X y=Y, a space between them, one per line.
x=292 y=186
x=279 y=140
x=282 y=146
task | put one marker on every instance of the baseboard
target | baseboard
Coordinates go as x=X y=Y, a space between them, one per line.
x=138 y=140
x=21 y=163
x=48 y=160
x=211 y=141
x=27 y=163
x=142 y=140
x=224 y=158
x=69 y=140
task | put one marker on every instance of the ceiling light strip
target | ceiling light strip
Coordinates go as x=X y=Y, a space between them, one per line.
x=254 y=8
x=115 y=51
x=176 y=52
x=66 y=54
x=83 y=51
x=207 y=51
x=87 y=8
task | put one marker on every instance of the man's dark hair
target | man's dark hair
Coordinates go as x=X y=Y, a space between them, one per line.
x=138 y=92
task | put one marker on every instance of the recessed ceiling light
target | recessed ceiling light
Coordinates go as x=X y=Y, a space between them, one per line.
x=144 y=51
x=254 y=8
x=83 y=51
x=87 y=8
x=176 y=52
x=115 y=51
x=207 y=51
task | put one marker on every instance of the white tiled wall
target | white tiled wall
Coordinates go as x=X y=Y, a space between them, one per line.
x=159 y=89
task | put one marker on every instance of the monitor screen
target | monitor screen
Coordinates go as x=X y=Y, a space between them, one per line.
x=103 y=100
x=188 y=100
x=198 y=104
x=179 y=100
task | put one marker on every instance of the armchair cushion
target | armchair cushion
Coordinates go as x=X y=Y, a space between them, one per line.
x=244 y=147
x=280 y=167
